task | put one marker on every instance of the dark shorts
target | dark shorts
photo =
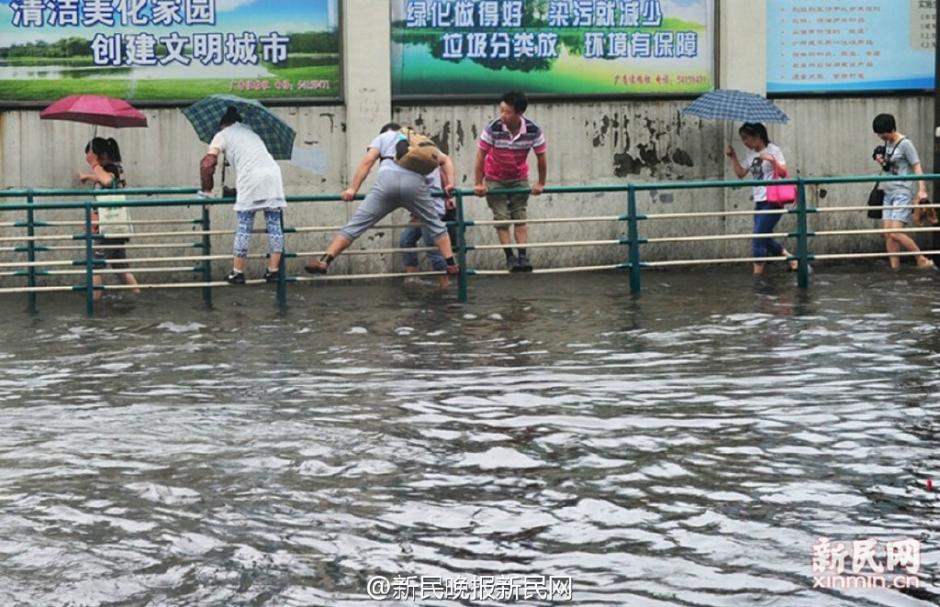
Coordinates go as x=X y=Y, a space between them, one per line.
x=113 y=256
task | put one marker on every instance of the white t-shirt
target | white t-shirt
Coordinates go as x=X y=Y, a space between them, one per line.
x=435 y=184
x=385 y=144
x=761 y=169
x=257 y=176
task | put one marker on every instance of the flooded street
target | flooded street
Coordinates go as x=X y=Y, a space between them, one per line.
x=685 y=448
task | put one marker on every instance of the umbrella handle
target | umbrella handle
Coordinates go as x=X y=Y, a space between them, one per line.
x=224 y=164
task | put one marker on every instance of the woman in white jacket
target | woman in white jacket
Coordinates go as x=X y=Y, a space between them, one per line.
x=259 y=187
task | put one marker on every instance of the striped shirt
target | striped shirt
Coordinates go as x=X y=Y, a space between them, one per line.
x=506 y=155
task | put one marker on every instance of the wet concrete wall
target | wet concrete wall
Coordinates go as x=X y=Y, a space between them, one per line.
x=608 y=142
x=833 y=137
x=49 y=154
x=589 y=143
x=644 y=141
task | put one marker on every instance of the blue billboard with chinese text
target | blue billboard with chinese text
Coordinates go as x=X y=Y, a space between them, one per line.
x=816 y=46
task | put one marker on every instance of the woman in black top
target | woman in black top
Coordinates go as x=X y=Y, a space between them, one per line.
x=104 y=158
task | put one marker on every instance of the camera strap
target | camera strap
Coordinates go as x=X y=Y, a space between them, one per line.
x=888 y=154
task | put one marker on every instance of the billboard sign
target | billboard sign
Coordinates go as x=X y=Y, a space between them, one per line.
x=168 y=49
x=563 y=47
x=818 y=46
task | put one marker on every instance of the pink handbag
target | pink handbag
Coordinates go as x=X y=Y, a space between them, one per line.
x=783 y=194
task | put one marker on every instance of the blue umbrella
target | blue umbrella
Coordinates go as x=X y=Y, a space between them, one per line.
x=276 y=134
x=728 y=104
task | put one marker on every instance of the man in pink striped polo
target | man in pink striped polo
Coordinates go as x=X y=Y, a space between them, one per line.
x=502 y=163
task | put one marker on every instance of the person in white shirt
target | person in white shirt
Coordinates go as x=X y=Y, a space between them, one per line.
x=258 y=185
x=763 y=160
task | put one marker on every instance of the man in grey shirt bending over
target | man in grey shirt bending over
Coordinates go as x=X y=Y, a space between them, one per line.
x=395 y=187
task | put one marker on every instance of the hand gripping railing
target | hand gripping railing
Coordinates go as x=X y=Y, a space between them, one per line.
x=632 y=217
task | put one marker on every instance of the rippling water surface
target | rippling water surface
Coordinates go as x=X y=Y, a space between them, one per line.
x=685 y=448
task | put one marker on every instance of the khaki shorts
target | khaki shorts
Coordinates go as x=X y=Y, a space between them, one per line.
x=507 y=207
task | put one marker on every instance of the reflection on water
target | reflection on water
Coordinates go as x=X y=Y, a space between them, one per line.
x=686 y=448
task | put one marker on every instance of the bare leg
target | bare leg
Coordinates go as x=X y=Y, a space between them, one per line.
x=97 y=281
x=892 y=247
x=321 y=266
x=128 y=279
x=340 y=243
x=443 y=243
x=274 y=261
x=899 y=240
x=521 y=231
x=411 y=270
x=758 y=269
x=239 y=263
x=794 y=264
x=505 y=240
x=503 y=234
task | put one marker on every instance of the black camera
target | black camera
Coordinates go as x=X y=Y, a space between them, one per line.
x=882 y=151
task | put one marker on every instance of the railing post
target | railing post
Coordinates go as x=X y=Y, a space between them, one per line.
x=206 y=252
x=31 y=254
x=89 y=263
x=282 y=271
x=461 y=250
x=802 y=236
x=633 y=235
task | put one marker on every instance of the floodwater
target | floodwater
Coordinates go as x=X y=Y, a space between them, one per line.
x=688 y=448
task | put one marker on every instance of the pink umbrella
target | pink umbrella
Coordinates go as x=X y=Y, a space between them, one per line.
x=95 y=109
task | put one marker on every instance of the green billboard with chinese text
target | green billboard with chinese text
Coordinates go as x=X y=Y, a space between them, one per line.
x=558 y=47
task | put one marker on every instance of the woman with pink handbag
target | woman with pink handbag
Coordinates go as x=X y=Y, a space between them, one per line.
x=764 y=161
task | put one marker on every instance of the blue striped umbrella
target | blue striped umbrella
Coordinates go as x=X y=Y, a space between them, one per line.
x=728 y=104
x=206 y=113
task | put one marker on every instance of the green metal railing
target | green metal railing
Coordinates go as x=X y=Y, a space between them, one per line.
x=632 y=218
